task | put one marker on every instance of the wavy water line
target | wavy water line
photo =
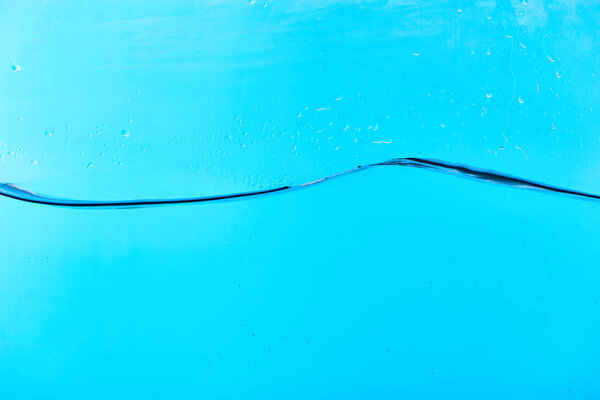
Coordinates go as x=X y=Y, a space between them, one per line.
x=15 y=192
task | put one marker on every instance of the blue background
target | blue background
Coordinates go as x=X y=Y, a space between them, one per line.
x=390 y=283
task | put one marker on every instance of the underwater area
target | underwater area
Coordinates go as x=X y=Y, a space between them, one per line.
x=223 y=199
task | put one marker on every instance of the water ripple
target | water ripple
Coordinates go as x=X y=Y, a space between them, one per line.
x=18 y=193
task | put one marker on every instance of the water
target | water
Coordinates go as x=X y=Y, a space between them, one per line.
x=389 y=283
x=15 y=192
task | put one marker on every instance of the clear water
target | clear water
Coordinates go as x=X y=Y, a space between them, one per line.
x=389 y=283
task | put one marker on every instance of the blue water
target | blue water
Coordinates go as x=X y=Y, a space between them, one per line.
x=391 y=283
